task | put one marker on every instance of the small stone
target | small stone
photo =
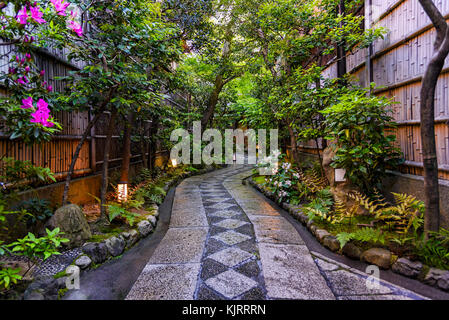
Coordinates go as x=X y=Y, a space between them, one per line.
x=377 y=256
x=313 y=229
x=144 y=228
x=98 y=252
x=352 y=251
x=331 y=243
x=433 y=276
x=34 y=295
x=155 y=210
x=130 y=237
x=83 y=262
x=61 y=282
x=407 y=268
x=152 y=220
x=320 y=234
x=443 y=282
x=303 y=218
x=41 y=288
x=115 y=246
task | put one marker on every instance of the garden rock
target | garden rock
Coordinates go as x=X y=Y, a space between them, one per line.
x=434 y=276
x=155 y=210
x=130 y=237
x=443 y=282
x=352 y=251
x=83 y=262
x=71 y=220
x=377 y=256
x=320 y=234
x=98 y=252
x=407 y=268
x=115 y=246
x=42 y=288
x=331 y=243
x=152 y=220
x=144 y=228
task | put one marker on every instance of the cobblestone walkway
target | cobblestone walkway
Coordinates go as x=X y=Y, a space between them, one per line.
x=226 y=241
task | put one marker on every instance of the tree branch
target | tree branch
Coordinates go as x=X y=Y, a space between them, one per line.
x=437 y=19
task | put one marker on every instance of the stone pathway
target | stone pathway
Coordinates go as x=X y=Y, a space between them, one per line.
x=225 y=241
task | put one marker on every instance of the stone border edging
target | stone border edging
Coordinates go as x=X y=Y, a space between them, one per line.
x=381 y=257
x=97 y=253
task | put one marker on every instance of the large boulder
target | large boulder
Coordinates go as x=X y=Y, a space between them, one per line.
x=377 y=256
x=71 y=220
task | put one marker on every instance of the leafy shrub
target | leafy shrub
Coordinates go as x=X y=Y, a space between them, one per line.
x=38 y=248
x=363 y=235
x=118 y=210
x=321 y=206
x=9 y=276
x=39 y=210
x=358 y=123
x=435 y=250
x=406 y=214
x=15 y=172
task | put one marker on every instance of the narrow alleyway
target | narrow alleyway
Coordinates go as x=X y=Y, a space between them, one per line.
x=225 y=241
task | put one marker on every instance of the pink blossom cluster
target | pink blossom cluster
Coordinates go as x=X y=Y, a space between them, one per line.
x=36 y=14
x=41 y=115
x=75 y=26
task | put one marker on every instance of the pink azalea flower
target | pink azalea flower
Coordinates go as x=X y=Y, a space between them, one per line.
x=42 y=73
x=27 y=103
x=20 y=80
x=42 y=114
x=76 y=27
x=49 y=88
x=28 y=56
x=22 y=16
x=60 y=6
x=27 y=69
x=36 y=14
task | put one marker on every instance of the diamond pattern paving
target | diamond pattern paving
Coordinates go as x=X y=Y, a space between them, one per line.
x=223 y=205
x=231 y=237
x=231 y=284
x=224 y=214
x=230 y=223
x=231 y=257
x=216 y=199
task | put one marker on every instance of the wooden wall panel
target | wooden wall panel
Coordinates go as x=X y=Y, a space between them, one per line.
x=398 y=64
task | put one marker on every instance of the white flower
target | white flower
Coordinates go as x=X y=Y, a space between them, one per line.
x=288 y=183
x=286 y=166
x=296 y=175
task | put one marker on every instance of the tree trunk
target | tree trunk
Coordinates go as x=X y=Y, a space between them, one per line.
x=212 y=103
x=104 y=180
x=124 y=176
x=341 y=52
x=75 y=156
x=429 y=82
x=293 y=146
x=153 y=144
x=143 y=146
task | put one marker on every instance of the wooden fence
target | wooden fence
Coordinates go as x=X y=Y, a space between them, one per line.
x=397 y=63
x=57 y=154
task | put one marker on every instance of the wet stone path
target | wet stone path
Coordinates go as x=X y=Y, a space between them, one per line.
x=225 y=241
